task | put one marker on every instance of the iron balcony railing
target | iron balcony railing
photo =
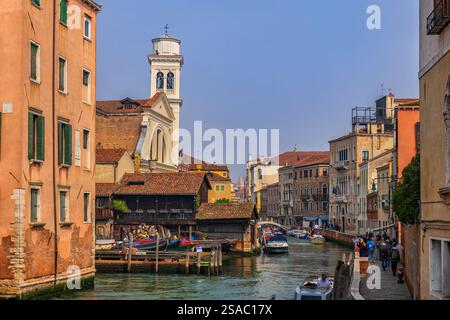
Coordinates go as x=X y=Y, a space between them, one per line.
x=439 y=18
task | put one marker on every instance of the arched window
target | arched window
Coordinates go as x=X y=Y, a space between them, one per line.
x=170 y=81
x=160 y=80
x=158 y=147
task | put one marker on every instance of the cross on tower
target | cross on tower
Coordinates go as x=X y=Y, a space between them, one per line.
x=167 y=29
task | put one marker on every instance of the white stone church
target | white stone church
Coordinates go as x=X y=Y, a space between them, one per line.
x=147 y=128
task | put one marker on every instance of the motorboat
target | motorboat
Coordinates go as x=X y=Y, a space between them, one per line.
x=310 y=290
x=318 y=240
x=277 y=244
x=298 y=234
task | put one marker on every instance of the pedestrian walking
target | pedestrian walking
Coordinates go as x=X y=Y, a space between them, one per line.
x=371 y=249
x=383 y=256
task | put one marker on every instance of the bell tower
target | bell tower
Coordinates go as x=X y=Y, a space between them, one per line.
x=166 y=62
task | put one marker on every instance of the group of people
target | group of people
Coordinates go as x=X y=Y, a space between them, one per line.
x=388 y=251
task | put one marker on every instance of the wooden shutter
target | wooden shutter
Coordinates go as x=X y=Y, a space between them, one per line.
x=68 y=145
x=40 y=138
x=63 y=11
x=30 y=136
x=60 y=143
x=33 y=61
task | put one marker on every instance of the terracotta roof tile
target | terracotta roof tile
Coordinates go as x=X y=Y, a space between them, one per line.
x=217 y=177
x=173 y=183
x=104 y=189
x=119 y=132
x=109 y=155
x=291 y=158
x=225 y=211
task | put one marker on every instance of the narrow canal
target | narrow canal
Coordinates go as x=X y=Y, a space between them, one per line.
x=244 y=278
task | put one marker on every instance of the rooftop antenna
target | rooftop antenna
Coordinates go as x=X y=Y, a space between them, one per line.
x=167 y=29
x=382 y=90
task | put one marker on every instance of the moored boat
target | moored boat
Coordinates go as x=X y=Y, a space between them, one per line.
x=298 y=234
x=318 y=240
x=310 y=290
x=277 y=244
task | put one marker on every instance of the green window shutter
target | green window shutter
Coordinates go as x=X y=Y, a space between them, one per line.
x=34 y=202
x=30 y=136
x=63 y=11
x=60 y=143
x=68 y=145
x=37 y=2
x=40 y=138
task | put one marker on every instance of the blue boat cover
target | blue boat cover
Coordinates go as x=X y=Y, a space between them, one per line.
x=278 y=238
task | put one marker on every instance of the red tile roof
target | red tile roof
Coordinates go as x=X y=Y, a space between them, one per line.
x=291 y=158
x=118 y=132
x=104 y=189
x=173 y=183
x=408 y=102
x=109 y=155
x=217 y=177
x=134 y=106
x=313 y=159
x=226 y=211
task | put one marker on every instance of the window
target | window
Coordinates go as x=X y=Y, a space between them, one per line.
x=87 y=208
x=170 y=81
x=36 y=137
x=63 y=12
x=86 y=148
x=217 y=188
x=160 y=80
x=87 y=27
x=365 y=155
x=36 y=2
x=222 y=188
x=63 y=207
x=439 y=263
x=62 y=75
x=86 y=85
x=64 y=144
x=35 y=56
x=35 y=206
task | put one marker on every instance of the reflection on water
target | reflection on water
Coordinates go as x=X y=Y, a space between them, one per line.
x=243 y=278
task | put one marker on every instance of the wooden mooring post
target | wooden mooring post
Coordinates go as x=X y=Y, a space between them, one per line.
x=130 y=251
x=157 y=253
x=199 y=262
x=186 y=266
x=220 y=259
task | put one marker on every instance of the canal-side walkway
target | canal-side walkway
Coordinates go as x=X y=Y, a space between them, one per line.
x=390 y=289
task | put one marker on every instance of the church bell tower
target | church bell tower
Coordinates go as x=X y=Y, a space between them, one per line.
x=166 y=62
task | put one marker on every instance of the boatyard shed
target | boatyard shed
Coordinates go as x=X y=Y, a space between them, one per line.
x=235 y=222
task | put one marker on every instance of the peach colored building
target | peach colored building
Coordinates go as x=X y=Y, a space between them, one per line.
x=47 y=150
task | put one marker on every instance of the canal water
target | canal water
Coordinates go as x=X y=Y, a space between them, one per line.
x=244 y=278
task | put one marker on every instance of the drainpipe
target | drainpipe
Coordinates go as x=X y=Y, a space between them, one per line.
x=55 y=211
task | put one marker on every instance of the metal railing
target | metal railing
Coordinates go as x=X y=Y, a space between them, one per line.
x=439 y=18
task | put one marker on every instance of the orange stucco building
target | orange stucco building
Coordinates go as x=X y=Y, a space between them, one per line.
x=47 y=148
x=407 y=133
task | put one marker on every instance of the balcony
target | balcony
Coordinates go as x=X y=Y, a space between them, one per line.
x=103 y=214
x=439 y=18
x=341 y=165
x=166 y=217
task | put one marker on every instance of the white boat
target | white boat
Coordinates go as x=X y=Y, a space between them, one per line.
x=277 y=244
x=298 y=234
x=311 y=291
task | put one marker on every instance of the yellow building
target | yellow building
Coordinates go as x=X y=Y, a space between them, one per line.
x=221 y=188
x=434 y=253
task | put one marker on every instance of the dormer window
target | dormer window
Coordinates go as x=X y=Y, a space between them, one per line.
x=129 y=104
x=136 y=183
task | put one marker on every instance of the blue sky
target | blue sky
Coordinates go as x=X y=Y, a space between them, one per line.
x=295 y=65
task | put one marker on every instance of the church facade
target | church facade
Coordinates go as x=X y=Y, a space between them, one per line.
x=148 y=128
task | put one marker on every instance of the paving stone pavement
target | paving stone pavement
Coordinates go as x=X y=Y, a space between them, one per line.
x=390 y=289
